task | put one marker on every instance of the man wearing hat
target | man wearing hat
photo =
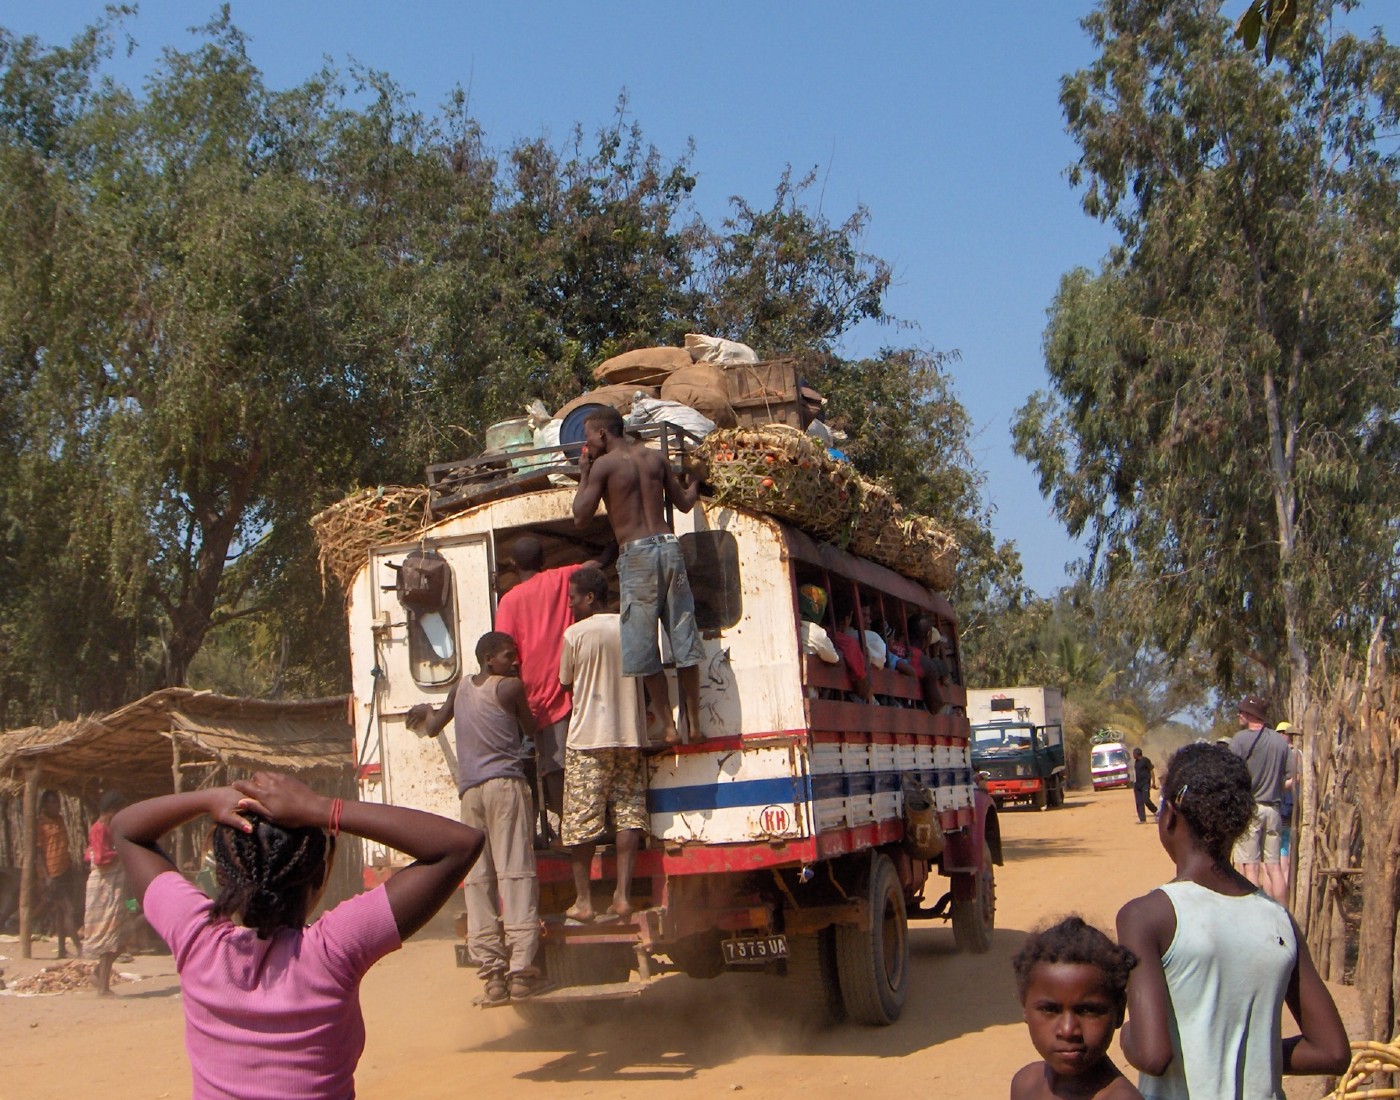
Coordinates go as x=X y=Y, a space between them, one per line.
x=1265 y=753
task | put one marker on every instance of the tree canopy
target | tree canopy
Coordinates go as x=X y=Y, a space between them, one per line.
x=231 y=305
x=1222 y=419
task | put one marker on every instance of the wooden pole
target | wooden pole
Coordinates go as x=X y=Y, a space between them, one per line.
x=177 y=784
x=28 y=865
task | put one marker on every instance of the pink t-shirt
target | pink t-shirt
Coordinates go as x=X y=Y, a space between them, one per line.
x=275 y=1018
x=536 y=613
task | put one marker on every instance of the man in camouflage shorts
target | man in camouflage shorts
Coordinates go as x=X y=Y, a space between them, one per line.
x=604 y=767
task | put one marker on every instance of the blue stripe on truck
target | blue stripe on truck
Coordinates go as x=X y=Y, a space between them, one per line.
x=783 y=790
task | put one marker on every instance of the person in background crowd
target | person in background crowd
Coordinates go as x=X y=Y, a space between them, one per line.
x=1144 y=783
x=57 y=870
x=107 y=924
x=1265 y=754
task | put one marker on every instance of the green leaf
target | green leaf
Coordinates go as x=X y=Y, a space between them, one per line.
x=1250 y=24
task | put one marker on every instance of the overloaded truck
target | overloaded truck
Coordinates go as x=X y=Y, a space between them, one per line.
x=1018 y=743
x=799 y=836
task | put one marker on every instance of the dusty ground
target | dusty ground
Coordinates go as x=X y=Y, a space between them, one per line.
x=961 y=1036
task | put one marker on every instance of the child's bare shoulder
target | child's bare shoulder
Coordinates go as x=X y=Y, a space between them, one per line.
x=1120 y=1088
x=1030 y=1083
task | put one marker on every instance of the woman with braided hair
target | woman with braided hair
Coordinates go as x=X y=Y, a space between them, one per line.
x=1218 y=958
x=272 y=1004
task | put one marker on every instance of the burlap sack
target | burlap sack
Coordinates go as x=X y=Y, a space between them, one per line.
x=702 y=387
x=619 y=397
x=644 y=366
x=716 y=349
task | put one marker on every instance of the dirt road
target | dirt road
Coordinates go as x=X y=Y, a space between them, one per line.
x=961 y=1036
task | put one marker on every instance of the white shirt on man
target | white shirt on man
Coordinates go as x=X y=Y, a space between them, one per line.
x=608 y=710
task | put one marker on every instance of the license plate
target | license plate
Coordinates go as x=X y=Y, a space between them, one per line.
x=759 y=950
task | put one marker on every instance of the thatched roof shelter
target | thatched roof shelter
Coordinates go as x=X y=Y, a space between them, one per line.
x=176 y=739
x=137 y=746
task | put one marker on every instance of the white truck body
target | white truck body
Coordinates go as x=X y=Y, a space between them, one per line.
x=1040 y=706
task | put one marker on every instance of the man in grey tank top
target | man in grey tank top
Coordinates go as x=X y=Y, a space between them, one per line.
x=1265 y=754
x=491 y=718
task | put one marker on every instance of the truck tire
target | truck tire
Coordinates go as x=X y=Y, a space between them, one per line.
x=873 y=962
x=1057 y=792
x=813 y=982
x=974 y=918
x=599 y=965
x=1040 y=799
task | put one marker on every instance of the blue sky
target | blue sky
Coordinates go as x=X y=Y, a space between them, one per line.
x=941 y=118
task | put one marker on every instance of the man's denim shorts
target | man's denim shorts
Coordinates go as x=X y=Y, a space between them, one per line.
x=654 y=588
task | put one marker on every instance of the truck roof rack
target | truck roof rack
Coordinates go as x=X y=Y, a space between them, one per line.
x=494 y=475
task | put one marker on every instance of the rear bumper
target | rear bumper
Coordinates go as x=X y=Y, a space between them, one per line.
x=1105 y=782
x=1014 y=788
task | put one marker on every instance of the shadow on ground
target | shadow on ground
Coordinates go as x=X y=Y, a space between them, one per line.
x=1038 y=847
x=682 y=1026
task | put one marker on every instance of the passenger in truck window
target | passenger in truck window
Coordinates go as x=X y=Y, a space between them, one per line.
x=875 y=648
x=936 y=670
x=811 y=607
x=848 y=645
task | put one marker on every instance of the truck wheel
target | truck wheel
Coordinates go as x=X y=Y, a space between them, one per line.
x=873 y=962
x=1057 y=792
x=602 y=964
x=975 y=917
x=1039 y=799
x=813 y=981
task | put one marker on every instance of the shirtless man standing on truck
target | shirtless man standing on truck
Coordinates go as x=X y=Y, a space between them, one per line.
x=636 y=482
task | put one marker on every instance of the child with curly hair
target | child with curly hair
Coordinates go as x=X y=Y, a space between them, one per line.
x=1073 y=984
x=1218 y=957
x=272 y=1004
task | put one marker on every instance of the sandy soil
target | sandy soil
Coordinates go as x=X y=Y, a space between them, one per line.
x=961 y=1035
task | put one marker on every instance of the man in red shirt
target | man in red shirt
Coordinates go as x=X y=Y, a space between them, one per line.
x=535 y=612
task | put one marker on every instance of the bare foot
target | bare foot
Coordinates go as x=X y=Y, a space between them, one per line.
x=670 y=736
x=105 y=993
x=619 y=910
x=582 y=913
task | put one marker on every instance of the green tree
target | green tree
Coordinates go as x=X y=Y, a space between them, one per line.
x=229 y=306
x=784 y=279
x=1222 y=422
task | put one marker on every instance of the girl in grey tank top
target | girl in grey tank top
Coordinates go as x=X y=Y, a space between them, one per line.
x=1218 y=958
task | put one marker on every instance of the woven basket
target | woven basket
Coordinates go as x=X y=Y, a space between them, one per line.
x=347 y=530
x=780 y=471
x=928 y=553
x=874 y=512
